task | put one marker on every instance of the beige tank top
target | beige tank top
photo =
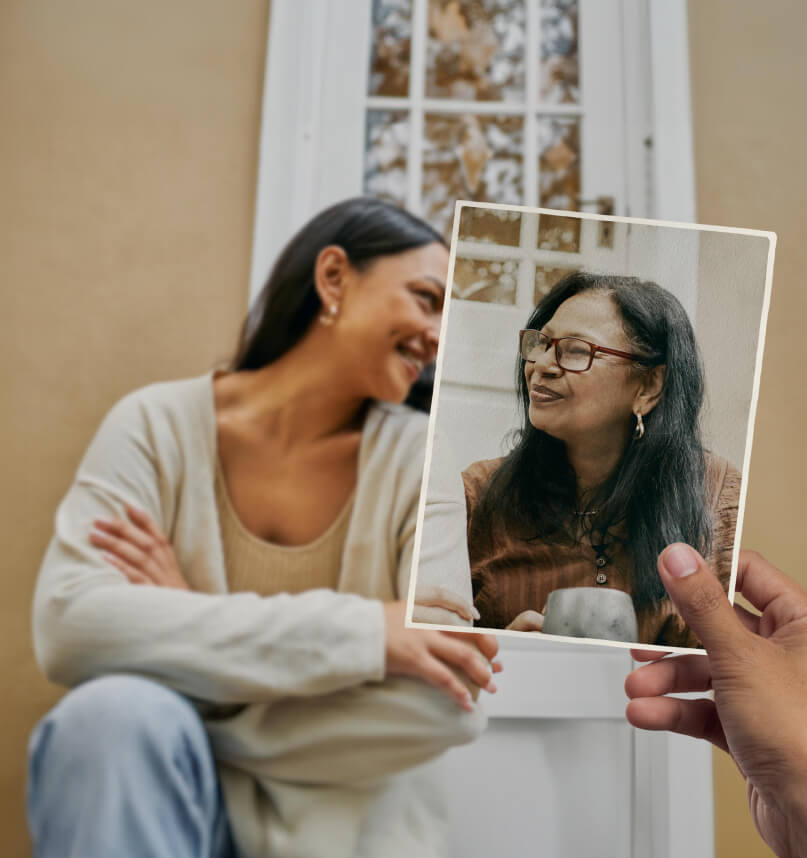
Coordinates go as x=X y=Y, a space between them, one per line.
x=257 y=566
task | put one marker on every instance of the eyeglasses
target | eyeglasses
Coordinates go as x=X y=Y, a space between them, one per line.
x=571 y=353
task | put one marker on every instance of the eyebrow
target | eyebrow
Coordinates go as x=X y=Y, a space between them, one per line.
x=427 y=278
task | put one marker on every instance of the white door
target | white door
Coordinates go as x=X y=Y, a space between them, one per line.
x=533 y=102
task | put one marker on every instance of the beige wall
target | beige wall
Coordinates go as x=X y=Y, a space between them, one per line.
x=127 y=165
x=749 y=78
x=128 y=158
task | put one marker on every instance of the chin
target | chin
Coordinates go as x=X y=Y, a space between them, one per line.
x=392 y=391
x=546 y=428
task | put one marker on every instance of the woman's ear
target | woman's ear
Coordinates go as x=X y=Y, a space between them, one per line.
x=650 y=390
x=330 y=270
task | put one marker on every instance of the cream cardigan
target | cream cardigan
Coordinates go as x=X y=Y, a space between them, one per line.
x=318 y=754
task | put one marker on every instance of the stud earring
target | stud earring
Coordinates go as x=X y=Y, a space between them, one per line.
x=330 y=317
x=638 y=432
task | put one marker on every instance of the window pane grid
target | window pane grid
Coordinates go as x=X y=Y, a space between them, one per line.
x=548 y=170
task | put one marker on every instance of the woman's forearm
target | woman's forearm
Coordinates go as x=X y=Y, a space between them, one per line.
x=231 y=648
x=358 y=736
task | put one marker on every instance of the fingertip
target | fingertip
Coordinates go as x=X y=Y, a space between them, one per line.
x=630 y=684
x=631 y=713
x=679 y=560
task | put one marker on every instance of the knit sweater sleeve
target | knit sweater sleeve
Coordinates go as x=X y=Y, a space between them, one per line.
x=443 y=586
x=88 y=620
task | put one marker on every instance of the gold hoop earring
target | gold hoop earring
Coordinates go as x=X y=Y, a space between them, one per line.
x=330 y=318
x=638 y=432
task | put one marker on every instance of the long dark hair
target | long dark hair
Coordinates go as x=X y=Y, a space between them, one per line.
x=365 y=228
x=658 y=490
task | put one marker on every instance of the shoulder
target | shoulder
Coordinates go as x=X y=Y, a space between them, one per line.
x=169 y=398
x=160 y=421
x=477 y=476
x=392 y=429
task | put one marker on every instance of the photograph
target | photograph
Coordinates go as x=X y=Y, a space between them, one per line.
x=594 y=402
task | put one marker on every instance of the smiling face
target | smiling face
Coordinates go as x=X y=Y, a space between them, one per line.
x=593 y=407
x=388 y=321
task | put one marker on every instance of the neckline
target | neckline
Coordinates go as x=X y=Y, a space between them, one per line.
x=313 y=544
x=369 y=419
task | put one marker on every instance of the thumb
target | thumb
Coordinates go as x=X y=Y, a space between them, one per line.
x=701 y=600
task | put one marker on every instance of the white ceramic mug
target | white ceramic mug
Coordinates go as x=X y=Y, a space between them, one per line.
x=591 y=612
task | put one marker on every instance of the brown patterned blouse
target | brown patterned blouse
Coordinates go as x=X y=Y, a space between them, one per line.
x=511 y=575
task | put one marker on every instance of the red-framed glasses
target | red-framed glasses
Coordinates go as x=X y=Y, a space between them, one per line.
x=571 y=353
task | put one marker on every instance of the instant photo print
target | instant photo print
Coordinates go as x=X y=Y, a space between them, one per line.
x=595 y=393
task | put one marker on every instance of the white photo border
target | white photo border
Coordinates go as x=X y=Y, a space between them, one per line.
x=540 y=636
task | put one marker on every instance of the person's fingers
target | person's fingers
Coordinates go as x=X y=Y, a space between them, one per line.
x=646 y=654
x=135 y=576
x=488 y=645
x=701 y=601
x=466 y=658
x=696 y=718
x=496 y=666
x=144 y=521
x=121 y=529
x=124 y=549
x=437 y=674
x=762 y=583
x=670 y=676
x=749 y=619
x=527 y=621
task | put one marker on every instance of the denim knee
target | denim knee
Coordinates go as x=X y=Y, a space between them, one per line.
x=115 y=712
x=122 y=765
x=118 y=722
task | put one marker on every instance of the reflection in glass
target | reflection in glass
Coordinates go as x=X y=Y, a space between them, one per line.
x=559 y=182
x=475 y=50
x=470 y=158
x=385 y=142
x=493 y=282
x=560 y=75
x=546 y=278
x=391 y=47
x=497 y=226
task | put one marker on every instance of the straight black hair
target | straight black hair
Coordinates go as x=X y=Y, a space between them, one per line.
x=658 y=491
x=366 y=229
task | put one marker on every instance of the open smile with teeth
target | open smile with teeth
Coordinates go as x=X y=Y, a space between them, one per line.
x=416 y=363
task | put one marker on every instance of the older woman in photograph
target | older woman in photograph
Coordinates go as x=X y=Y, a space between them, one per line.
x=607 y=469
x=224 y=585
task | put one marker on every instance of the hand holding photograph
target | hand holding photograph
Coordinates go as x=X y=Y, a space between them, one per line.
x=626 y=427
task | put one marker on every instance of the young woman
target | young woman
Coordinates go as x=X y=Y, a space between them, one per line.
x=228 y=569
x=608 y=467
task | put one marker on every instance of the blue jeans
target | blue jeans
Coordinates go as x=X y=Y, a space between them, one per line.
x=122 y=767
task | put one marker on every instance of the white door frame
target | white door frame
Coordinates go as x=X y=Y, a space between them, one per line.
x=668 y=820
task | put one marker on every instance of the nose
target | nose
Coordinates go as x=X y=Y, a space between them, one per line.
x=431 y=338
x=546 y=362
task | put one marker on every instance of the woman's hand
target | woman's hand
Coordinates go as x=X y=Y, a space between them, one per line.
x=757 y=667
x=139 y=549
x=448 y=660
x=527 y=621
